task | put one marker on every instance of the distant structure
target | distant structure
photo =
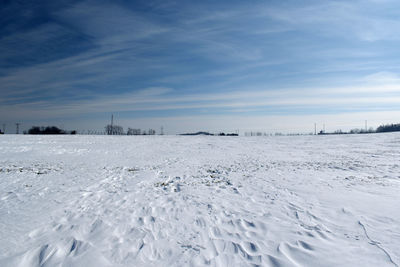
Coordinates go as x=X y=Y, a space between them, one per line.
x=112 y=129
x=4 y=128
x=162 y=131
x=17 y=124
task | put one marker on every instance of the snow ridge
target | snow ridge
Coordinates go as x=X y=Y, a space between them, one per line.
x=376 y=243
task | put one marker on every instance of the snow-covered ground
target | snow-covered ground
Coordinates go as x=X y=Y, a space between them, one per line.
x=183 y=201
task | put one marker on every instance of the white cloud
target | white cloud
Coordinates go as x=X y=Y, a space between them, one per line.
x=383 y=77
x=163 y=99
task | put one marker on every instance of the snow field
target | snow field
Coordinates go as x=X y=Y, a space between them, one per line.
x=195 y=201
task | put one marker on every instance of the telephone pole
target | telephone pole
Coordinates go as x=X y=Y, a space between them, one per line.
x=17 y=127
x=366 y=126
x=315 y=129
x=162 y=130
x=4 y=128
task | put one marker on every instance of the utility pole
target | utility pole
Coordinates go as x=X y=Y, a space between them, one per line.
x=17 y=127
x=366 y=126
x=324 y=127
x=315 y=129
x=162 y=130
x=4 y=128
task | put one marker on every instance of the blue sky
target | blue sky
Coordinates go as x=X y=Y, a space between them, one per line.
x=200 y=65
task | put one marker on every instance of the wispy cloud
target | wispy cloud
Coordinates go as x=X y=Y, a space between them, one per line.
x=366 y=20
x=92 y=57
x=311 y=100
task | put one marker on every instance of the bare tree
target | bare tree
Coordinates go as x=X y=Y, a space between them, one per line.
x=133 y=131
x=114 y=130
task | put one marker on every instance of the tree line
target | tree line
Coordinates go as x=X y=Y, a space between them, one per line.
x=47 y=130
x=381 y=129
x=388 y=128
x=119 y=130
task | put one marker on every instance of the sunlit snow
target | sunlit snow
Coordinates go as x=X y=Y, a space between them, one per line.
x=195 y=201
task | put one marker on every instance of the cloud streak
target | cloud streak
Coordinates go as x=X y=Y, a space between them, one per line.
x=91 y=57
